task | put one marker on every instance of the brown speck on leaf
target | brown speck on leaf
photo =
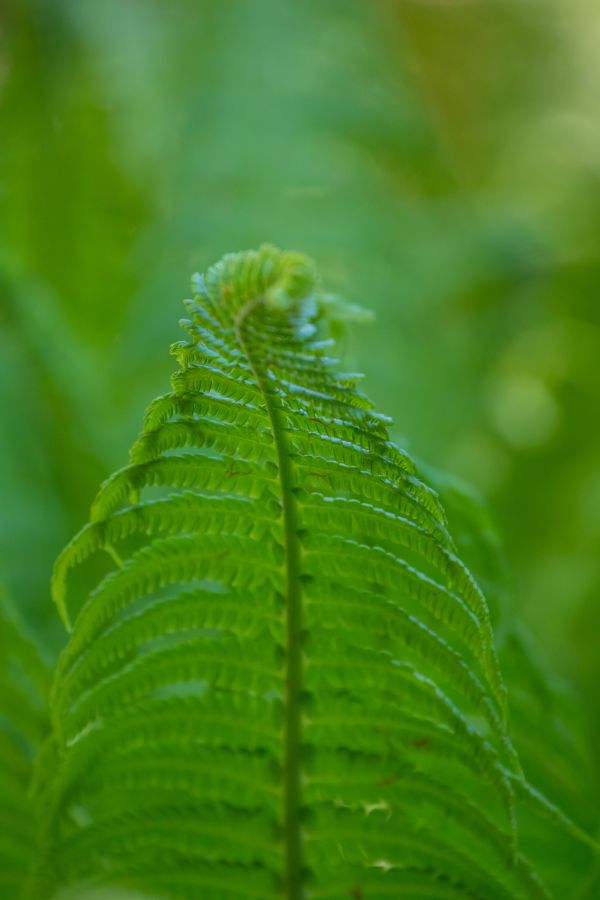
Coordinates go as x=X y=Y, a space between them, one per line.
x=232 y=473
x=357 y=893
x=421 y=742
x=318 y=475
x=221 y=555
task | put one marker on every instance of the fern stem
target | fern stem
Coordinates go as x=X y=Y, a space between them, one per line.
x=293 y=725
x=293 y=674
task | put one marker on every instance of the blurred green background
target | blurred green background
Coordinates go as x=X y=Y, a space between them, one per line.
x=441 y=161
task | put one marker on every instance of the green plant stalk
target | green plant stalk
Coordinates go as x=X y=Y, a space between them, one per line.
x=293 y=605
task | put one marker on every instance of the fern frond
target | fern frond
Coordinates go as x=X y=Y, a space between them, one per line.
x=561 y=789
x=560 y=797
x=282 y=680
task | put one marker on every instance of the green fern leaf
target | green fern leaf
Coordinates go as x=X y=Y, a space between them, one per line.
x=281 y=679
x=547 y=721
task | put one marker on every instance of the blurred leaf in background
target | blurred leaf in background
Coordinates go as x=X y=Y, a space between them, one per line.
x=438 y=158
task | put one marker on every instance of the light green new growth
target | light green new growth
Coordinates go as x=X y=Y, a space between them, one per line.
x=281 y=680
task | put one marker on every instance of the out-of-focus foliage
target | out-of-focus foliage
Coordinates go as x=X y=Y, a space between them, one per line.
x=548 y=721
x=24 y=683
x=440 y=160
